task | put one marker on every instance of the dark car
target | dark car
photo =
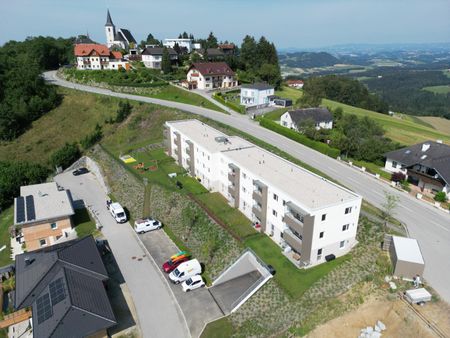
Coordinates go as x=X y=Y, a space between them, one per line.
x=171 y=265
x=80 y=171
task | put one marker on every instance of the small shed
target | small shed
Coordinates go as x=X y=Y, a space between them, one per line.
x=406 y=257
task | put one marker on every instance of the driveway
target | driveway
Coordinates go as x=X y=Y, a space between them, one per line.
x=198 y=306
x=431 y=227
x=159 y=314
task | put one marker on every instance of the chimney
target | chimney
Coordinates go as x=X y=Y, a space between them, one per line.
x=28 y=261
x=425 y=147
x=439 y=141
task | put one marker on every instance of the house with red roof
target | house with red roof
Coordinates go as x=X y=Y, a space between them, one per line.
x=91 y=56
x=295 y=83
x=211 y=75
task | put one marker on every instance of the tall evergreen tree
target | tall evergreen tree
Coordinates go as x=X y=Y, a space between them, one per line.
x=211 y=41
x=166 y=65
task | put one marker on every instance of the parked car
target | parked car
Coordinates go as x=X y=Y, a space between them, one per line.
x=172 y=264
x=193 y=283
x=116 y=211
x=80 y=171
x=146 y=224
x=185 y=271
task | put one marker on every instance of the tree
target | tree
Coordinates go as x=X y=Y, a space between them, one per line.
x=211 y=41
x=248 y=52
x=123 y=111
x=308 y=128
x=151 y=40
x=65 y=156
x=177 y=48
x=210 y=247
x=185 y=35
x=166 y=65
x=271 y=74
x=389 y=205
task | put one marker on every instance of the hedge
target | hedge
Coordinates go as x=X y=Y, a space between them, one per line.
x=296 y=136
x=230 y=105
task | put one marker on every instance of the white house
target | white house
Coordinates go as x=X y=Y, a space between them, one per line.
x=311 y=218
x=321 y=117
x=122 y=38
x=152 y=56
x=256 y=95
x=425 y=164
x=211 y=75
x=97 y=57
x=297 y=84
x=182 y=43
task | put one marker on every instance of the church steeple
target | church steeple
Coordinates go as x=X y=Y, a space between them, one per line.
x=109 y=20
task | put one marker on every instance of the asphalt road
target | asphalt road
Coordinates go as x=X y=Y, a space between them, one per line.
x=159 y=314
x=431 y=227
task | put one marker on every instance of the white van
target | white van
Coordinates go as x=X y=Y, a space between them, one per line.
x=185 y=271
x=117 y=212
x=146 y=224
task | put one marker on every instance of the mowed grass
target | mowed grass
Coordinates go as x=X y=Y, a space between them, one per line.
x=445 y=89
x=438 y=123
x=293 y=280
x=220 y=328
x=6 y=220
x=84 y=224
x=404 y=131
x=289 y=93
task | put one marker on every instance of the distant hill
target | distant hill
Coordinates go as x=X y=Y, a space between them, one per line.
x=308 y=59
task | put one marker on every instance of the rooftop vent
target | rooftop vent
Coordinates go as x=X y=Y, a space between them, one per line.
x=221 y=139
x=425 y=147
x=439 y=141
x=28 y=261
x=423 y=157
x=408 y=151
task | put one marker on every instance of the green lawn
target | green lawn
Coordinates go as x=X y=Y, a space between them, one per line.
x=293 y=280
x=276 y=114
x=221 y=328
x=84 y=225
x=404 y=131
x=6 y=220
x=438 y=89
x=289 y=93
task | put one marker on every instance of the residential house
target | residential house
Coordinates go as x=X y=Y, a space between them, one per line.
x=321 y=117
x=311 y=218
x=211 y=54
x=122 y=38
x=227 y=48
x=425 y=164
x=298 y=84
x=182 y=43
x=211 y=75
x=43 y=213
x=98 y=57
x=64 y=286
x=256 y=95
x=152 y=57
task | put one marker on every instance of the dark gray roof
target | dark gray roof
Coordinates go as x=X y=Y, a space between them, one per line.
x=212 y=52
x=258 y=86
x=108 y=19
x=157 y=51
x=127 y=35
x=71 y=275
x=119 y=37
x=430 y=154
x=317 y=114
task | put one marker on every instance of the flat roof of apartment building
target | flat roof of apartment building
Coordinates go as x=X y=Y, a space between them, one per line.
x=310 y=190
x=39 y=202
x=207 y=137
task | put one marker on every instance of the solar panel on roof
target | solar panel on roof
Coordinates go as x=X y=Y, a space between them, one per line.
x=31 y=212
x=43 y=308
x=20 y=209
x=57 y=291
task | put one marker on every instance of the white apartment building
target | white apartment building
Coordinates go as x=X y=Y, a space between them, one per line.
x=182 y=43
x=98 y=57
x=211 y=75
x=311 y=218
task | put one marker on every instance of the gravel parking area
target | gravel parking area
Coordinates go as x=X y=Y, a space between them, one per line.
x=198 y=306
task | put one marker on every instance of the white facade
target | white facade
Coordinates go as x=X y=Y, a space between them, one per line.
x=100 y=62
x=299 y=210
x=254 y=97
x=213 y=81
x=286 y=121
x=152 y=57
x=186 y=43
x=395 y=167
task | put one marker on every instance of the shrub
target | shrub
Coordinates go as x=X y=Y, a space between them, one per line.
x=440 y=197
x=124 y=111
x=93 y=138
x=398 y=177
x=218 y=97
x=65 y=156
x=293 y=135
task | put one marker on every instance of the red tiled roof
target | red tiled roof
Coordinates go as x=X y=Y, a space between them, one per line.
x=213 y=68
x=85 y=49
x=116 y=55
x=294 y=81
x=226 y=46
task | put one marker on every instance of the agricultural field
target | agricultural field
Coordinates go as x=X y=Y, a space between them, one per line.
x=438 y=123
x=438 y=89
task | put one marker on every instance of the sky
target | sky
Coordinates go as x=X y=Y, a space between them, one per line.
x=288 y=23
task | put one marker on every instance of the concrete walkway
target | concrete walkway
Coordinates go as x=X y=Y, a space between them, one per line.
x=158 y=312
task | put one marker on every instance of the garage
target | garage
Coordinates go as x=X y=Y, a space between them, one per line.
x=406 y=257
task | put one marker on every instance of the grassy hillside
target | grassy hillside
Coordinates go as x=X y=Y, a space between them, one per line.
x=438 y=123
x=438 y=89
x=403 y=130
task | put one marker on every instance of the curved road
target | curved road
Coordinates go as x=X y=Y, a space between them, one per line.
x=430 y=226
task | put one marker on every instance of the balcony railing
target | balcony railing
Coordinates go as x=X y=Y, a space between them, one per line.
x=293 y=222
x=292 y=240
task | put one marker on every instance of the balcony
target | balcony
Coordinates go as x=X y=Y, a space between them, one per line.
x=293 y=222
x=257 y=210
x=292 y=240
x=257 y=196
x=176 y=151
x=232 y=190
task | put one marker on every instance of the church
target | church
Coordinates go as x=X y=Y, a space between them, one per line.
x=122 y=38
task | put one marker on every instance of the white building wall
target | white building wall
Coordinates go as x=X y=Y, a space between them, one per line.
x=394 y=166
x=187 y=43
x=286 y=121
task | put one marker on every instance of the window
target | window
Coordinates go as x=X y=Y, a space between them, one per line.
x=342 y=244
x=275 y=197
x=394 y=164
x=348 y=210
x=244 y=189
x=321 y=234
x=274 y=212
x=53 y=226
x=244 y=175
x=324 y=217
x=284 y=203
x=345 y=227
x=43 y=242
x=319 y=254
